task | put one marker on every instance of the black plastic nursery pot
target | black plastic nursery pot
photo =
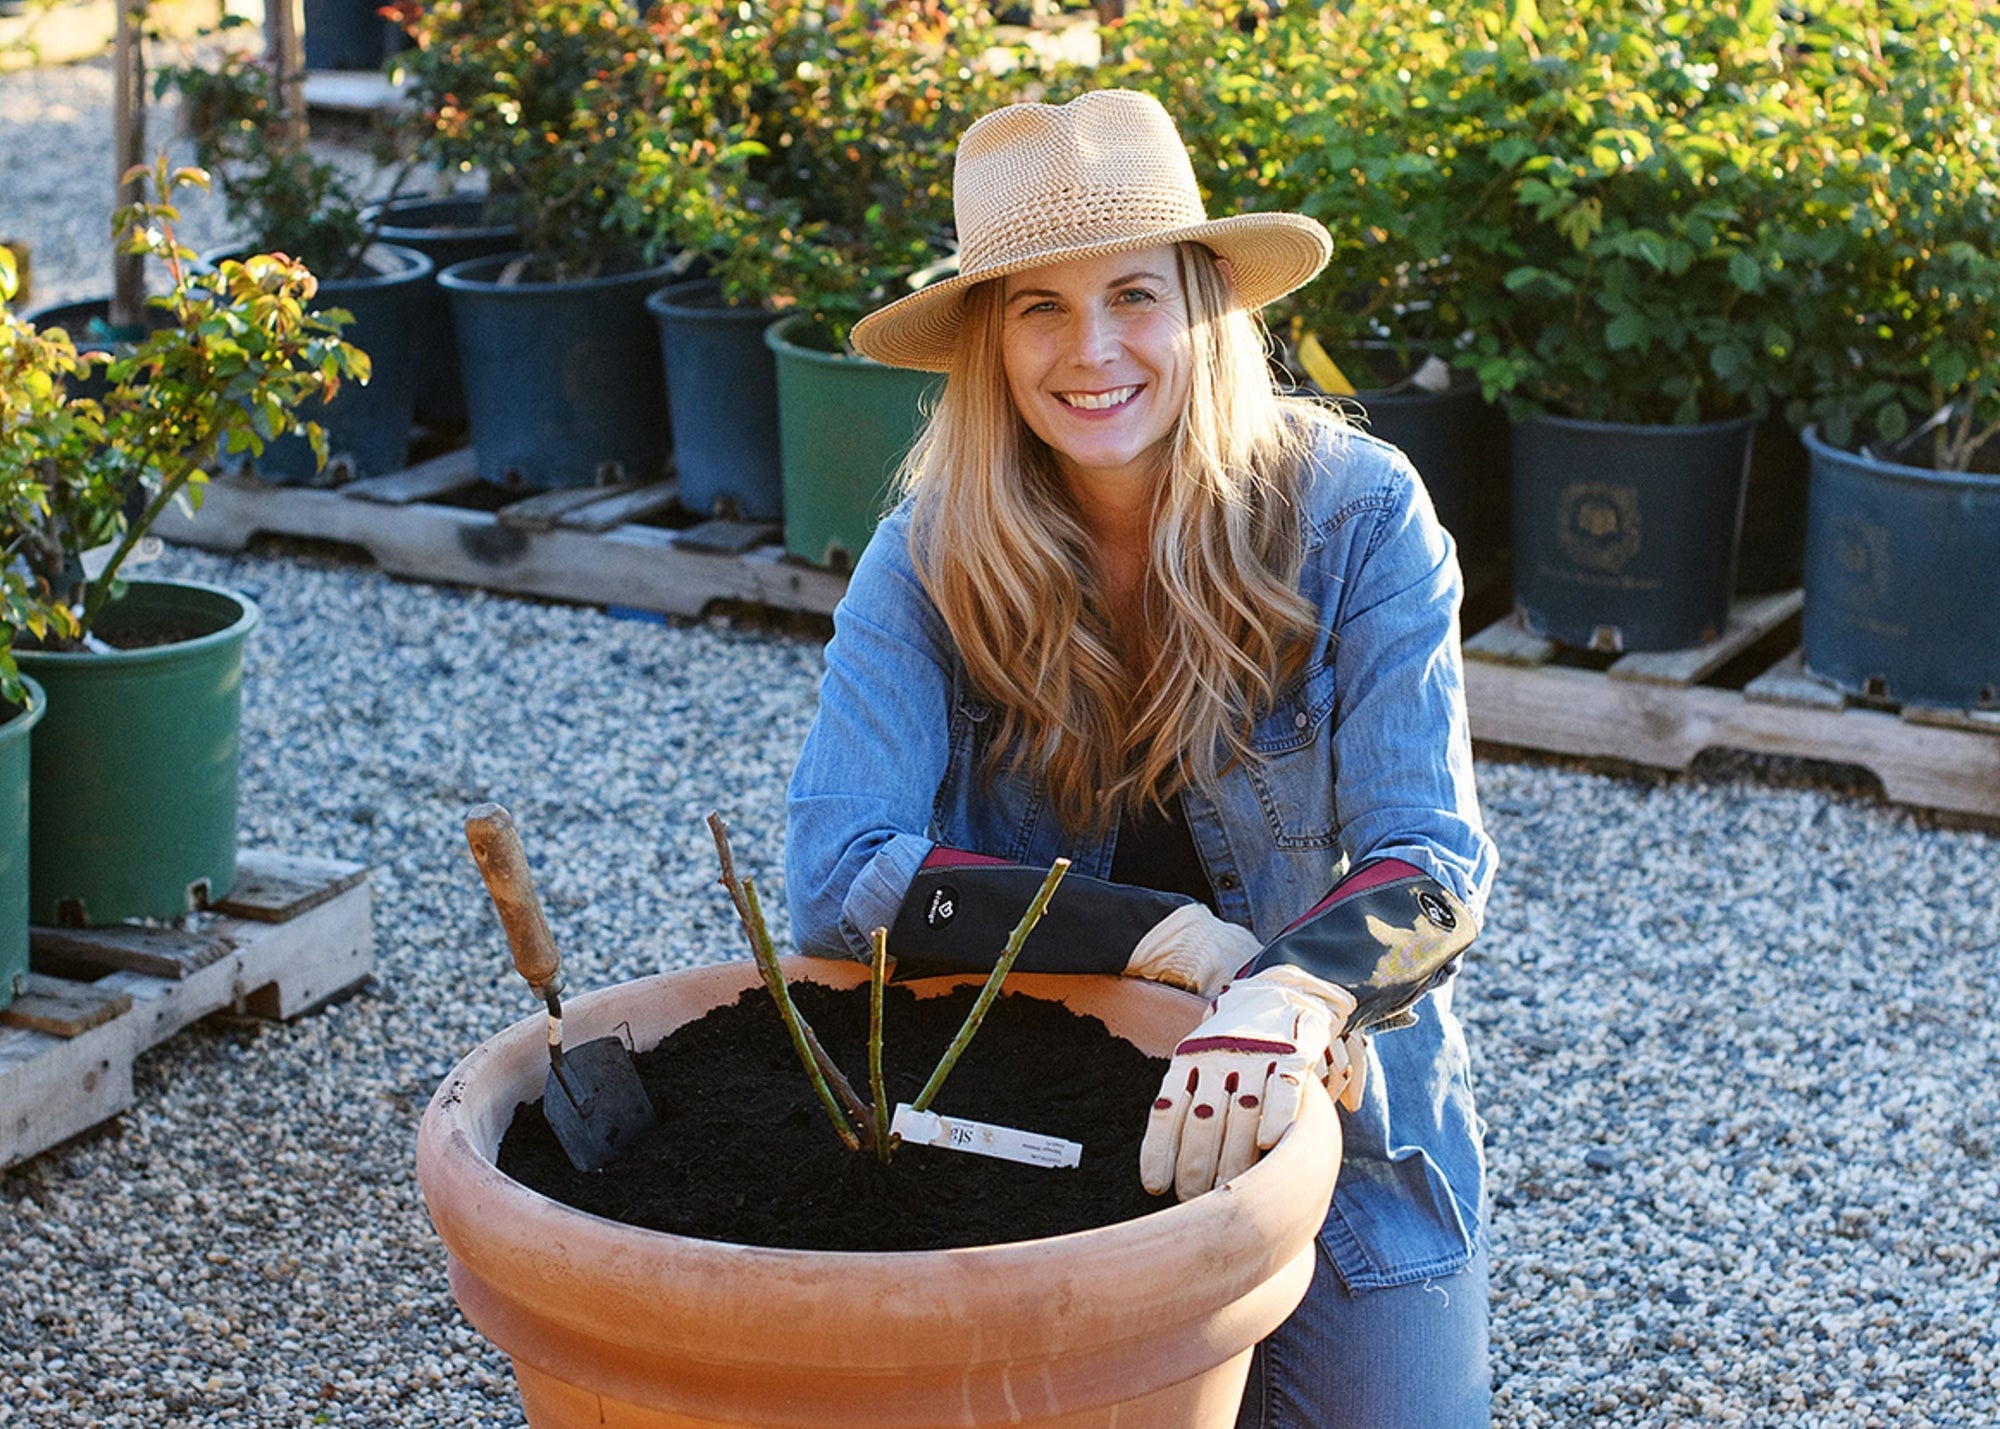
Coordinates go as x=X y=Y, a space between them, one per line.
x=1771 y=556
x=563 y=385
x=367 y=425
x=134 y=765
x=844 y=424
x=16 y=724
x=1902 y=599
x=349 y=34
x=1458 y=443
x=722 y=401
x=87 y=321
x=447 y=231
x=1625 y=535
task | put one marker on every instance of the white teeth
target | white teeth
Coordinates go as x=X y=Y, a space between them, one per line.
x=1098 y=401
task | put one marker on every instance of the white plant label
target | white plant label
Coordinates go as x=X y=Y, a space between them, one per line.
x=953 y=1133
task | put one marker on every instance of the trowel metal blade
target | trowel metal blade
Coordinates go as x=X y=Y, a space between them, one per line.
x=595 y=1103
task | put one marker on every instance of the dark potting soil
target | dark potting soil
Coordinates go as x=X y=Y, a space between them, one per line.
x=744 y=1152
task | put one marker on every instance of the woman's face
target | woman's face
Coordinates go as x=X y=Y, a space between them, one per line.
x=1097 y=353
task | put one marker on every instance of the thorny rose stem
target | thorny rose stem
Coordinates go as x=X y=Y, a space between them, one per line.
x=1036 y=907
x=819 y=1067
x=878 y=973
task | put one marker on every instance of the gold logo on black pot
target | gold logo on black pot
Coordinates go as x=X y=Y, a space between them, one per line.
x=1597 y=525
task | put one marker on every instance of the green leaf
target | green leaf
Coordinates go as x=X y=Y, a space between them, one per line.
x=1745 y=273
x=1627 y=330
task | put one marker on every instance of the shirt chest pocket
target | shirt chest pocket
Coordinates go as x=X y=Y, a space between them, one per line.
x=1293 y=771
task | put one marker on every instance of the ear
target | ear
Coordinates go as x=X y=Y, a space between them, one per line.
x=1228 y=272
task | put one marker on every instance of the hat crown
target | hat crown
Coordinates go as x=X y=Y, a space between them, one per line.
x=1031 y=179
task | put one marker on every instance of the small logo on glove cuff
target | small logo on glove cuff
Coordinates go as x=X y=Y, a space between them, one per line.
x=1436 y=909
x=944 y=906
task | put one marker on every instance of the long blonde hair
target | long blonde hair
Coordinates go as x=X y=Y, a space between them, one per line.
x=1000 y=547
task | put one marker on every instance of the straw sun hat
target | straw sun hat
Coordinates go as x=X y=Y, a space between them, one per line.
x=1105 y=173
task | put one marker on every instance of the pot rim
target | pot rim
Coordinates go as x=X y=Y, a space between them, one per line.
x=390 y=231
x=468 y=276
x=246 y=620
x=413 y=267
x=777 y=338
x=16 y=725
x=1644 y=430
x=1818 y=448
x=663 y=303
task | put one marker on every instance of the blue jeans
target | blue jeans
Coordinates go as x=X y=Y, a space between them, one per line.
x=1410 y=1357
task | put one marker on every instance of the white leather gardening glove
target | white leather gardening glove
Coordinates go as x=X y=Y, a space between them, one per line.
x=1238 y=1080
x=1191 y=948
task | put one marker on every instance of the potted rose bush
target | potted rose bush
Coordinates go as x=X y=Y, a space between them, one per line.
x=1898 y=365
x=134 y=767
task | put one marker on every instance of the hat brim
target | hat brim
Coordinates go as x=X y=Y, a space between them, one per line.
x=1269 y=255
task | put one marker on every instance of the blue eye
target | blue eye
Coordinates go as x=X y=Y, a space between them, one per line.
x=1130 y=296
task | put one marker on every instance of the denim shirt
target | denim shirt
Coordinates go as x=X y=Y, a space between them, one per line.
x=1366 y=754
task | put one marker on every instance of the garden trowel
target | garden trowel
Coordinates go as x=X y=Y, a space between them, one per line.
x=593 y=1098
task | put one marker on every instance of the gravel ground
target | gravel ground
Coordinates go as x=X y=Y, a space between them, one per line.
x=1727 y=1028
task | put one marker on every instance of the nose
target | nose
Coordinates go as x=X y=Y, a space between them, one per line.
x=1096 y=337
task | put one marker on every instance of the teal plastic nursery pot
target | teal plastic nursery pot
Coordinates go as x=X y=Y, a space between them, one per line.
x=367 y=425
x=1625 y=535
x=1901 y=597
x=134 y=765
x=447 y=231
x=722 y=396
x=844 y=423
x=563 y=385
x=15 y=723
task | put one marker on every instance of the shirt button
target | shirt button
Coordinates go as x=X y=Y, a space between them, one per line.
x=1299 y=720
x=1226 y=883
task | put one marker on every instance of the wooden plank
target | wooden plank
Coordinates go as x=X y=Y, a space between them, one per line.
x=633 y=505
x=545 y=509
x=1787 y=683
x=63 y=1008
x=276 y=887
x=1979 y=721
x=53 y=1087
x=642 y=567
x=1579 y=712
x=1506 y=642
x=732 y=538
x=1749 y=621
x=156 y=952
x=426 y=481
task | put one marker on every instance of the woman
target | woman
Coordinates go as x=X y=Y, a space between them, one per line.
x=1140 y=609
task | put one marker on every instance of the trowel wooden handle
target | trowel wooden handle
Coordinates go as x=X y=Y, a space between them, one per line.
x=503 y=863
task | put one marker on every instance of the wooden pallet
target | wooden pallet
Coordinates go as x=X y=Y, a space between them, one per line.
x=601 y=545
x=1663 y=709
x=291 y=934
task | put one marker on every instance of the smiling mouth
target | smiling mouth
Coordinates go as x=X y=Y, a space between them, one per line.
x=1097 y=401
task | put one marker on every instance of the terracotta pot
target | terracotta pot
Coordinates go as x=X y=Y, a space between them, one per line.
x=1146 y=1323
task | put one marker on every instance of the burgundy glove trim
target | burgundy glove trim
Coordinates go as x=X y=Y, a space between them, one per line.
x=1369 y=875
x=1233 y=1044
x=942 y=857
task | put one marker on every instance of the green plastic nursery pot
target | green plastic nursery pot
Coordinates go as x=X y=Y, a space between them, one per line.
x=15 y=722
x=134 y=782
x=1625 y=535
x=1901 y=597
x=844 y=422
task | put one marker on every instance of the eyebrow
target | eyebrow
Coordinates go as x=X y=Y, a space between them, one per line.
x=1121 y=281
